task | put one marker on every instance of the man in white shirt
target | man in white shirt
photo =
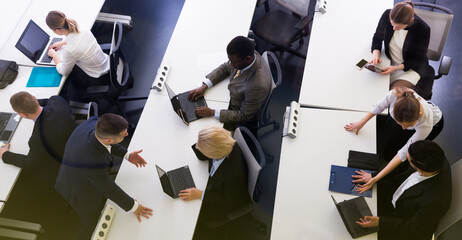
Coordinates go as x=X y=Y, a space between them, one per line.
x=421 y=200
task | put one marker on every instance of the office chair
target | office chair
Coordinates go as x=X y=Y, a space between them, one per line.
x=450 y=226
x=21 y=230
x=264 y=115
x=439 y=23
x=255 y=161
x=281 y=29
x=83 y=111
x=120 y=79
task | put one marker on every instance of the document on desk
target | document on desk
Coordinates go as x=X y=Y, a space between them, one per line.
x=341 y=181
x=44 y=77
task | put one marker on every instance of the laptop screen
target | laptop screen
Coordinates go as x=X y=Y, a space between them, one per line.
x=32 y=41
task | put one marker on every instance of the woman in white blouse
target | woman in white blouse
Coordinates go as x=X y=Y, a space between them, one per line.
x=79 y=52
x=415 y=119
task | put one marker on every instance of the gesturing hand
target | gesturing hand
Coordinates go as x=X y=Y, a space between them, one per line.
x=190 y=194
x=364 y=187
x=136 y=159
x=3 y=149
x=142 y=211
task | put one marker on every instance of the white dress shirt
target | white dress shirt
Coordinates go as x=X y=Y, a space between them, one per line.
x=83 y=50
x=412 y=180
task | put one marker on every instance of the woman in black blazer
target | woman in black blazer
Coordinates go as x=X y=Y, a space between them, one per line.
x=406 y=37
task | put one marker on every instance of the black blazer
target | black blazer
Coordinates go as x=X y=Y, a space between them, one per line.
x=415 y=45
x=53 y=126
x=227 y=189
x=419 y=208
x=83 y=179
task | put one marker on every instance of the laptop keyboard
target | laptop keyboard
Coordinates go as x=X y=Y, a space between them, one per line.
x=4 y=118
x=46 y=58
x=178 y=180
x=354 y=215
x=189 y=107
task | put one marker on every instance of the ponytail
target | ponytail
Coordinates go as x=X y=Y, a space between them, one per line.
x=57 y=20
x=407 y=107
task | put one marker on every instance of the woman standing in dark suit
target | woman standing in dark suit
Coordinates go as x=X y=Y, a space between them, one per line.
x=406 y=38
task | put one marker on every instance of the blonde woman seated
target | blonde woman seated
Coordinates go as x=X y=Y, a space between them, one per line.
x=79 y=52
x=226 y=189
x=412 y=119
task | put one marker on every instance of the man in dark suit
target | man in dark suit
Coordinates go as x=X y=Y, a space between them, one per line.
x=421 y=200
x=53 y=126
x=249 y=86
x=84 y=179
x=226 y=192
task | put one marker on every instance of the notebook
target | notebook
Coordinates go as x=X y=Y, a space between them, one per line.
x=183 y=107
x=44 y=77
x=175 y=180
x=341 y=181
x=351 y=211
x=8 y=124
x=34 y=43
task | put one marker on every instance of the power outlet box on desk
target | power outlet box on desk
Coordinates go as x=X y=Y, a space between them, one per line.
x=321 y=6
x=161 y=76
x=104 y=223
x=291 y=120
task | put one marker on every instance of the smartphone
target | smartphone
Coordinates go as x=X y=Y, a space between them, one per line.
x=361 y=64
x=374 y=68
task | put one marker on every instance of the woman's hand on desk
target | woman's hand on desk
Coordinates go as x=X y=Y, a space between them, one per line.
x=136 y=159
x=190 y=194
x=3 y=149
x=142 y=211
x=389 y=70
x=355 y=126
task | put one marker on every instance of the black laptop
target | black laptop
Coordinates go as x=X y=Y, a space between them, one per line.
x=183 y=107
x=175 y=180
x=351 y=211
x=34 y=43
x=8 y=124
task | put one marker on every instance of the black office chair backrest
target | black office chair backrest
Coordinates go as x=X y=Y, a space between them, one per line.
x=253 y=156
x=439 y=23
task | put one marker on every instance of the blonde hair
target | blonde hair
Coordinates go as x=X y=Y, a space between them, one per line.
x=403 y=13
x=24 y=102
x=215 y=142
x=407 y=106
x=57 y=20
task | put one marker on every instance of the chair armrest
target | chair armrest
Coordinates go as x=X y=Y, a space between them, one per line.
x=21 y=225
x=265 y=2
x=445 y=65
x=303 y=23
x=98 y=89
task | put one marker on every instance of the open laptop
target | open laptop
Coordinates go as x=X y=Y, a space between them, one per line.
x=8 y=124
x=351 y=211
x=175 y=180
x=183 y=107
x=34 y=43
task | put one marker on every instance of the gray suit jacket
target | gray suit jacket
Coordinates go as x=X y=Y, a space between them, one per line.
x=248 y=91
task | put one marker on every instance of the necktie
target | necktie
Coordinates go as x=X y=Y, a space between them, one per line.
x=237 y=73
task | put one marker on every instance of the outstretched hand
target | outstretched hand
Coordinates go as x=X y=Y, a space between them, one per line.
x=368 y=221
x=136 y=159
x=142 y=211
x=3 y=149
x=354 y=126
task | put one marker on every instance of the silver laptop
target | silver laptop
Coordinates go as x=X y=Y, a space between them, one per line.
x=8 y=124
x=34 y=43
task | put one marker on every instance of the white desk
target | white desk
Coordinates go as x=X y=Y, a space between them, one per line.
x=9 y=173
x=166 y=141
x=303 y=206
x=10 y=15
x=339 y=39
x=198 y=44
x=84 y=12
